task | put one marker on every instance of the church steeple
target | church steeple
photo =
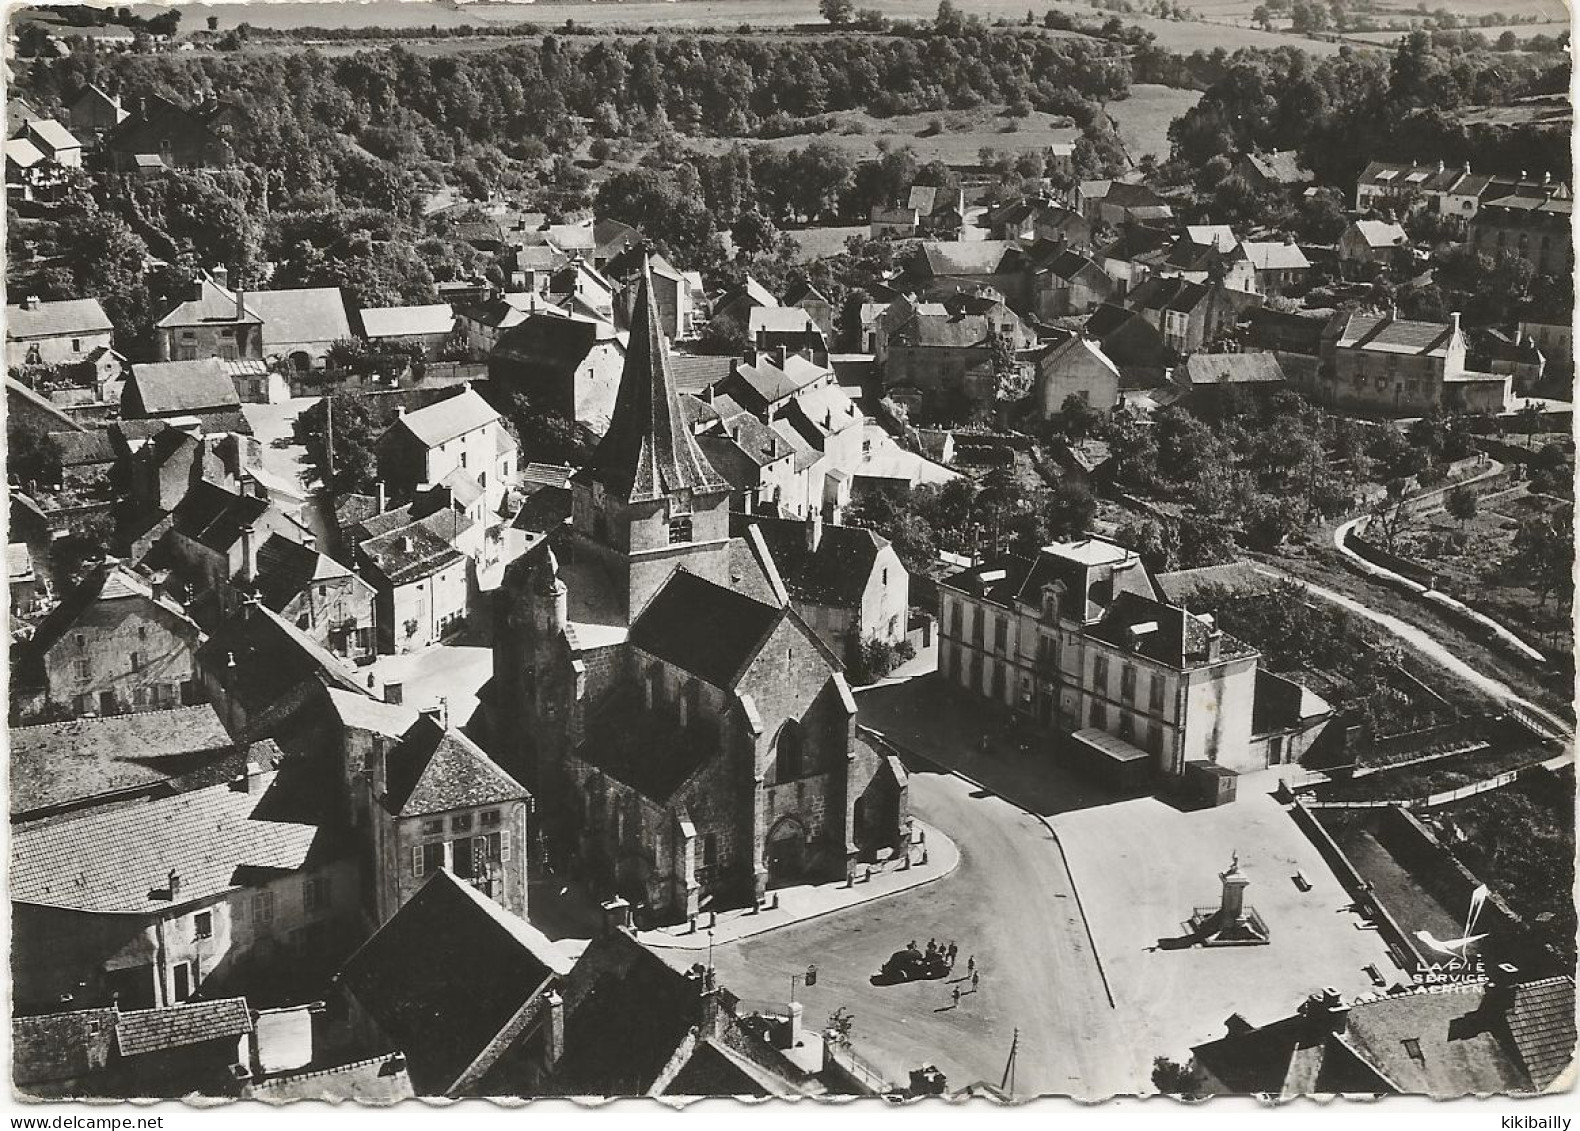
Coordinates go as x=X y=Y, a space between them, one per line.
x=649 y=453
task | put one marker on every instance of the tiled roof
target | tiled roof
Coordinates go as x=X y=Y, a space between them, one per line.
x=377 y=1081
x=836 y=573
x=109 y=582
x=693 y=374
x=404 y=321
x=1172 y=293
x=1382 y=334
x=448 y=419
x=357 y=711
x=1542 y=1026
x=1379 y=233
x=60 y=1047
x=140 y=1031
x=434 y=770
x=446 y=975
x=286 y=569
x=117 y=861
x=307 y=314
x=1233 y=369
x=418 y=549
x=779 y=320
x=83 y=449
x=166 y=387
x=53 y=134
x=23 y=154
x=1275 y=256
x=56 y=764
x=1219 y=236
x=1281 y=167
x=649 y=451
x=704 y=629
x=215 y=304
x=57 y=319
x=964 y=257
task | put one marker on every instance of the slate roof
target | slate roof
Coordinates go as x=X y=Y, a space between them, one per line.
x=408 y=321
x=1233 y=369
x=446 y=975
x=1541 y=1024
x=434 y=770
x=1173 y=293
x=58 y=1047
x=306 y=314
x=215 y=517
x=448 y=419
x=1178 y=639
x=64 y=319
x=377 y=1081
x=836 y=573
x=56 y=764
x=166 y=387
x=648 y=751
x=140 y=1031
x=287 y=569
x=117 y=861
x=701 y=628
x=1380 y=333
x=648 y=451
x=693 y=374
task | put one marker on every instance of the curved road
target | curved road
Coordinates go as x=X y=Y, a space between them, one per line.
x=1010 y=904
x=1430 y=647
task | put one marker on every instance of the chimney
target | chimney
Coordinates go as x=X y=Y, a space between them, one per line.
x=173 y=882
x=30 y=302
x=1453 y=320
x=556 y=1028
x=1440 y=167
x=616 y=916
x=400 y=410
x=253 y=777
x=221 y=275
x=383 y=498
x=249 y=554
x=197 y=290
x=241 y=304
x=814 y=528
x=405 y=543
x=377 y=769
x=394 y=693
x=1214 y=646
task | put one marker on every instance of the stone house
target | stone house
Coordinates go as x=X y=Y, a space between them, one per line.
x=214 y=321
x=1064 y=281
x=460 y=434
x=1034 y=218
x=55 y=333
x=808 y=298
x=1535 y=226
x=929 y=347
x=55 y=142
x=94 y=113
x=330 y=604
x=846 y=582
x=1076 y=366
x=1190 y=315
x=676 y=304
x=179 y=389
x=116 y=642
x=688 y=735
x=420 y=578
x=1389 y=366
x=1276 y=267
x=176 y=897
x=1278 y=171
x=180 y=137
x=1115 y=203
x=942 y=269
x=432 y=326
x=1369 y=244
x=1082 y=642
x=568 y=364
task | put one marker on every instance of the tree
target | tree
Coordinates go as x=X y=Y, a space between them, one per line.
x=213 y=23
x=837 y=12
x=1069 y=509
x=350 y=462
x=1544 y=552
x=754 y=234
x=1174 y=1079
x=1078 y=419
x=725 y=337
x=950 y=20
x=1462 y=503
x=840 y=1026
x=32 y=455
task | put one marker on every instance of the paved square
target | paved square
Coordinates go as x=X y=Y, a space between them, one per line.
x=1142 y=866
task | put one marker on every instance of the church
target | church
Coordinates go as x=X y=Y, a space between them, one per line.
x=691 y=742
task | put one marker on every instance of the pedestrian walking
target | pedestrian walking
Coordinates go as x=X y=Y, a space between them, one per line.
x=911 y=945
x=932 y=946
x=975 y=975
x=971 y=963
x=953 y=950
x=957 y=997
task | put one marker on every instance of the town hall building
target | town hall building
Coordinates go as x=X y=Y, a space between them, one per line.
x=689 y=737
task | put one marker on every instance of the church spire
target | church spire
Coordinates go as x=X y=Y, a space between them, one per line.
x=649 y=451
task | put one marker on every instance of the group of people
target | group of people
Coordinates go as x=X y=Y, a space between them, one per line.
x=950 y=953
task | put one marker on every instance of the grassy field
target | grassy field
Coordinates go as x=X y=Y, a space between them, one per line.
x=1143 y=119
x=964 y=135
